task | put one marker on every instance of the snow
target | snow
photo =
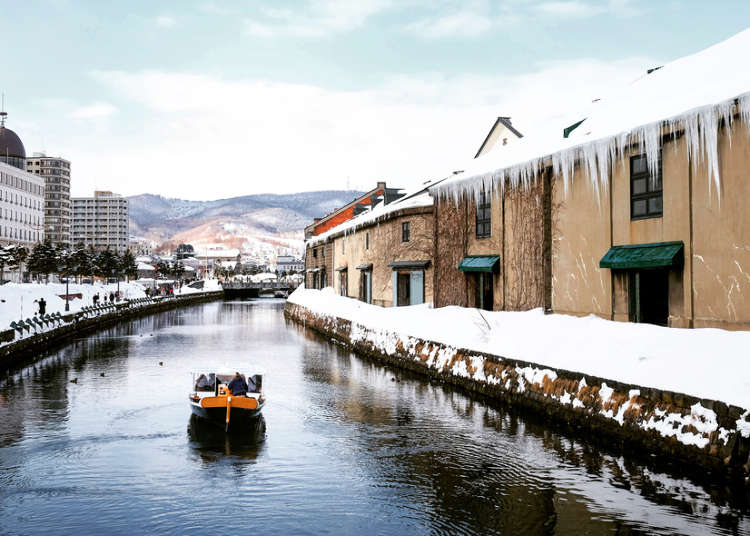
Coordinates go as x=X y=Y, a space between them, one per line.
x=694 y=93
x=17 y=300
x=265 y=276
x=706 y=363
x=209 y=285
x=143 y=267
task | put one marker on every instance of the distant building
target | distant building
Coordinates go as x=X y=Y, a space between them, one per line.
x=101 y=221
x=141 y=247
x=57 y=209
x=21 y=193
x=184 y=251
x=286 y=264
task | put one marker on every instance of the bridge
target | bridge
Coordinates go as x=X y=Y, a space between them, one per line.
x=248 y=289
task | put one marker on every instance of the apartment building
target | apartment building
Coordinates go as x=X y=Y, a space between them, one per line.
x=57 y=209
x=101 y=221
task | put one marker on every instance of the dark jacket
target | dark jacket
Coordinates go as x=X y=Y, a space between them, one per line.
x=237 y=386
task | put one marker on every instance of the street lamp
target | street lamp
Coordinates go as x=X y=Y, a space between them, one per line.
x=66 y=274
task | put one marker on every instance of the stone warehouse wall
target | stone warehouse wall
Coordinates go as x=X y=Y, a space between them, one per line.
x=709 y=433
x=16 y=349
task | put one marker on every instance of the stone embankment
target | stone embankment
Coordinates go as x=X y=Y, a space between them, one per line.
x=707 y=433
x=28 y=340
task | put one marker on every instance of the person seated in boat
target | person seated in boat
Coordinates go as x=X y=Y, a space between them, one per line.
x=238 y=385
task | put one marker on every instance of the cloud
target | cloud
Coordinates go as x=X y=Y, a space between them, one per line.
x=199 y=136
x=576 y=9
x=459 y=23
x=165 y=21
x=96 y=110
x=317 y=18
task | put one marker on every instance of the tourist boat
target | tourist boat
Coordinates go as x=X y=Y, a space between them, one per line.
x=212 y=401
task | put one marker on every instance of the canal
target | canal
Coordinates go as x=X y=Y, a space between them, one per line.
x=346 y=446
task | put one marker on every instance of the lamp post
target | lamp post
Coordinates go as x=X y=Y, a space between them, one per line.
x=65 y=273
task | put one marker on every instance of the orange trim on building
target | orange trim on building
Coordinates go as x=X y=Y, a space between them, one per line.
x=345 y=214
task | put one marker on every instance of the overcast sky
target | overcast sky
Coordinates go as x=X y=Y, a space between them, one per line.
x=204 y=100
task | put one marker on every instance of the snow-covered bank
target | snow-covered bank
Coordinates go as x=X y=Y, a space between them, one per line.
x=678 y=392
x=20 y=300
x=706 y=363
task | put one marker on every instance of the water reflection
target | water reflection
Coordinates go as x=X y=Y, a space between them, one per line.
x=211 y=441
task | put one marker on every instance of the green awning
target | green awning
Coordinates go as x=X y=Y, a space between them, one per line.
x=658 y=255
x=479 y=263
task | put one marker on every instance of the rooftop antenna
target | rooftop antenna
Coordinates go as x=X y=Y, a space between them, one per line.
x=3 y=113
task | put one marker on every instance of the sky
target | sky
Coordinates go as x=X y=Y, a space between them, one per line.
x=201 y=99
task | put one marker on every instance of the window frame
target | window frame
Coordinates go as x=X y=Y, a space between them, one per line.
x=484 y=223
x=651 y=191
x=405 y=231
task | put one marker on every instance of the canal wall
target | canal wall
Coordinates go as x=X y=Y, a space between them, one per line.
x=708 y=433
x=28 y=341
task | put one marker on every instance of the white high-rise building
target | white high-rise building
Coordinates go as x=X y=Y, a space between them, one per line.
x=21 y=193
x=101 y=221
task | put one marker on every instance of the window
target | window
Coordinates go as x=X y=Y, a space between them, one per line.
x=484 y=216
x=315 y=253
x=367 y=240
x=405 y=231
x=646 y=194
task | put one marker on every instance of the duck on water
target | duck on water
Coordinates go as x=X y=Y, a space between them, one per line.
x=227 y=398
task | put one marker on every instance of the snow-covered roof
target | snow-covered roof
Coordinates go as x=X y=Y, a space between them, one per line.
x=693 y=93
x=142 y=266
x=416 y=197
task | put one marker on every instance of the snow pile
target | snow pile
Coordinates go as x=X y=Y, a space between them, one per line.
x=203 y=285
x=695 y=94
x=706 y=363
x=20 y=300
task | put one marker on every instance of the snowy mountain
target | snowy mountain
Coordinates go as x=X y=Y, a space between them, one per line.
x=263 y=225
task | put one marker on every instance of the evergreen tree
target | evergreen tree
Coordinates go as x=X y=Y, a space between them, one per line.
x=128 y=266
x=18 y=255
x=81 y=261
x=177 y=270
x=162 y=268
x=43 y=260
x=107 y=264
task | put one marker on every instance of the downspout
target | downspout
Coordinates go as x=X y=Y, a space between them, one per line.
x=434 y=253
x=504 y=266
x=611 y=243
x=691 y=320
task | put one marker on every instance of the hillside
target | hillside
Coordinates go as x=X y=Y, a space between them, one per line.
x=262 y=225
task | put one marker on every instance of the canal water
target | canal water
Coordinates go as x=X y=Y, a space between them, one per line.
x=347 y=446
